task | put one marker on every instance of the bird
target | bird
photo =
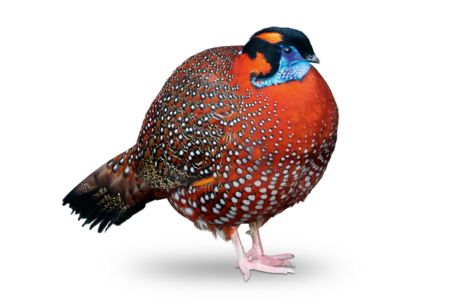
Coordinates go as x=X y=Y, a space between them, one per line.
x=236 y=135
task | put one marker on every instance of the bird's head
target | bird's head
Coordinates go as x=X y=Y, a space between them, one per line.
x=277 y=55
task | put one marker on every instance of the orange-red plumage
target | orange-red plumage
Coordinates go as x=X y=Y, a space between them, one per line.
x=237 y=135
x=271 y=37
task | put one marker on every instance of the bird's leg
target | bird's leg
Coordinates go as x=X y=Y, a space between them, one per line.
x=246 y=265
x=256 y=253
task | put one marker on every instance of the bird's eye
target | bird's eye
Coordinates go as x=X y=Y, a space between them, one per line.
x=287 y=50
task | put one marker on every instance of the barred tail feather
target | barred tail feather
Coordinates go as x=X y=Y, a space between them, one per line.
x=108 y=197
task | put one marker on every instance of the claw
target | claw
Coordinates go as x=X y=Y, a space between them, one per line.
x=255 y=259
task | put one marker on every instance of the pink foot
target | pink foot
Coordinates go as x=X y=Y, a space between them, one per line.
x=246 y=266
x=275 y=260
x=258 y=261
x=256 y=254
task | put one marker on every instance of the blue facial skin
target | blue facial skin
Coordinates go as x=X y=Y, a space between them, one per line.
x=292 y=67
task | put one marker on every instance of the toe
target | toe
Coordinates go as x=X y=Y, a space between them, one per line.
x=282 y=256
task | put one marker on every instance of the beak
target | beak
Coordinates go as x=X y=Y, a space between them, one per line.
x=313 y=59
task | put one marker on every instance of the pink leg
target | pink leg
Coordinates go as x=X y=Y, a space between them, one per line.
x=246 y=265
x=256 y=254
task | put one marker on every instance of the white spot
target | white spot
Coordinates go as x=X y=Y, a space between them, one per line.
x=201 y=224
x=230 y=215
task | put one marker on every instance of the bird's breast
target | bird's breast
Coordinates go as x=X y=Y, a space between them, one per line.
x=279 y=141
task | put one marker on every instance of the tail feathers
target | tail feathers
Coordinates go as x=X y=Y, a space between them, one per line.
x=106 y=197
